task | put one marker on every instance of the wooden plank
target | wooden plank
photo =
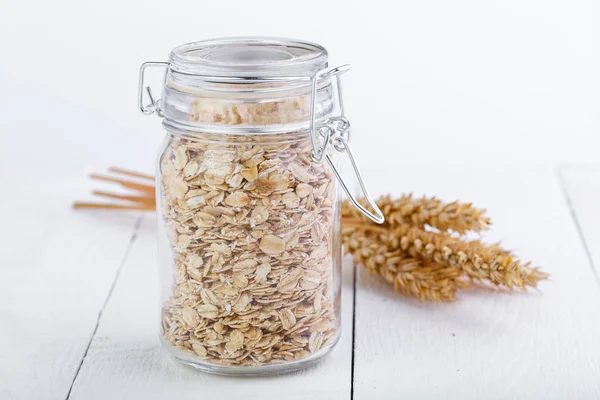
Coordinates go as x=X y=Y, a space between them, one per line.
x=125 y=359
x=486 y=345
x=57 y=267
x=582 y=190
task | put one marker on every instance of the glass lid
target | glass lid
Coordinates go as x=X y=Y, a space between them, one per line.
x=250 y=58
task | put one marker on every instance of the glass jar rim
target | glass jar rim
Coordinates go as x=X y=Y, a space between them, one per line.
x=249 y=58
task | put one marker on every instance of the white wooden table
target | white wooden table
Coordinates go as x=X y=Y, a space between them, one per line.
x=79 y=306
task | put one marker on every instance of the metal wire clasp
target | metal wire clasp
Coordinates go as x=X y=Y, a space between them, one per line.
x=336 y=131
x=154 y=105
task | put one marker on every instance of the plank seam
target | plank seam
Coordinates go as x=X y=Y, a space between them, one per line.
x=132 y=239
x=354 y=279
x=563 y=186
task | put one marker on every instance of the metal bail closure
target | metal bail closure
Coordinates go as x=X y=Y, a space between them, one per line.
x=337 y=132
x=154 y=105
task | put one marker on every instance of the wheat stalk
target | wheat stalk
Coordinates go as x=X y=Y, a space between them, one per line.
x=431 y=265
x=455 y=216
x=474 y=259
x=410 y=276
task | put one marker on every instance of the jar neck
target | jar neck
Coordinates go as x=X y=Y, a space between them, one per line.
x=199 y=104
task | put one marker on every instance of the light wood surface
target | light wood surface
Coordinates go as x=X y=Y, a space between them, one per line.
x=581 y=185
x=57 y=268
x=490 y=345
x=79 y=304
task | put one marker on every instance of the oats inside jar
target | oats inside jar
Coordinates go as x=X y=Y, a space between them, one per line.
x=251 y=224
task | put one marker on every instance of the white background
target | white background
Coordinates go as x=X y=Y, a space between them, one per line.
x=498 y=81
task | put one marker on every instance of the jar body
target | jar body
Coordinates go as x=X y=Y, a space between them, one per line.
x=250 y=253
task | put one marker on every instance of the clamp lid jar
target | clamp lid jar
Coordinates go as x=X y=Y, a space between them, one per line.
x=249 y=214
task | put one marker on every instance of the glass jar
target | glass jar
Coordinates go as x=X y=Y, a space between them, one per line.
x=249 y=212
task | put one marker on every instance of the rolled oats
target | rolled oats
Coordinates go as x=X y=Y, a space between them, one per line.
x=251 y=228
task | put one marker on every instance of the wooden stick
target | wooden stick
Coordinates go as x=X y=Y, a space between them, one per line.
x=131 y=173
x=136 y=199
x=130 y=185
x=107 y=206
